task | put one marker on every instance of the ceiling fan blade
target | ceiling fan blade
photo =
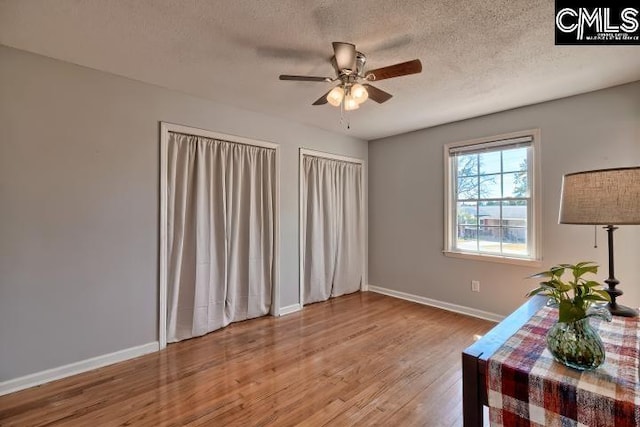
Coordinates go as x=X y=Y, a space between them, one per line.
x=376 y=94
x=345 y=54
x=397 y=70
x=305 y=78
x=322 y=100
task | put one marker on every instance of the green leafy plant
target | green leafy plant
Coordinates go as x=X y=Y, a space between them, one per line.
x=573 y=297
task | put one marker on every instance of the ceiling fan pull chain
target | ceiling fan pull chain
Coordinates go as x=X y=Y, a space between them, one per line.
x=344 y=118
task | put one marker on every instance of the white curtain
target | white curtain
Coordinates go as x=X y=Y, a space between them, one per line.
x=332 y=228
x=220 y=232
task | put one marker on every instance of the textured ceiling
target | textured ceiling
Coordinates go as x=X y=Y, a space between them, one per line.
x=478 y=56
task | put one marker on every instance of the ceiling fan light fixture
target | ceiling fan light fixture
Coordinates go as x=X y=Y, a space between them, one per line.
x=335 y=96
x=350 y=103
x=359 y=93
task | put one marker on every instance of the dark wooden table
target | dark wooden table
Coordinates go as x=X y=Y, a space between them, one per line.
x=474 y=360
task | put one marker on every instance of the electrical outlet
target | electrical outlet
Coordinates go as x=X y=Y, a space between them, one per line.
x=475 y=286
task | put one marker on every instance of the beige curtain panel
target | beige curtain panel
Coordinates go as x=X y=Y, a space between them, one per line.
x=332 y=227
x=220 y=234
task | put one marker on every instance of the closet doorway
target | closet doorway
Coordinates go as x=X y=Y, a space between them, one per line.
x=332 y=226
x=218 y=231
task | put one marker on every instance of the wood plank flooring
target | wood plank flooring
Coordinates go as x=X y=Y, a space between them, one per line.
x=362 y=359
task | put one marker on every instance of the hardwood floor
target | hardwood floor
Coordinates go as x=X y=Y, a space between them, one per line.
x=362 y=359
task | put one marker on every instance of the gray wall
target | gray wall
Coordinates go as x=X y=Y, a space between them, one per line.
x=406 y=196
x=79 y=195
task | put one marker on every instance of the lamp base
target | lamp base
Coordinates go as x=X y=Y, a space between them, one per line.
x=621 y=310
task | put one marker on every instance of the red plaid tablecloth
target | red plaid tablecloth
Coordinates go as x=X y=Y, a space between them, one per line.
x=526 y=387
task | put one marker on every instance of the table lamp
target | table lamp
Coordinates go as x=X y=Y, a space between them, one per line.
x=606 y=197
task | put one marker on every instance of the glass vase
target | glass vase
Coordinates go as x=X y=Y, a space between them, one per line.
x=576 y=344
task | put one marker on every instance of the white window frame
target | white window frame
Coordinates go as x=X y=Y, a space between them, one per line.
x=534 y=216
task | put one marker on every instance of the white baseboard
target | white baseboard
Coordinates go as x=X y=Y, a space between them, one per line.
x=53 y=374
x=289 y=309
x=439 y=304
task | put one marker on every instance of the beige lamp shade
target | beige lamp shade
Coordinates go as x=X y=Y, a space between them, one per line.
x=606 y=196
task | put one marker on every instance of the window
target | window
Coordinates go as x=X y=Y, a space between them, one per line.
x=491 y=207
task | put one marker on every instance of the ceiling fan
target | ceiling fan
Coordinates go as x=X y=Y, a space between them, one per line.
x=353 y=87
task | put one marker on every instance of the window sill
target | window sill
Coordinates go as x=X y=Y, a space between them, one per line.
x=491 y=258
